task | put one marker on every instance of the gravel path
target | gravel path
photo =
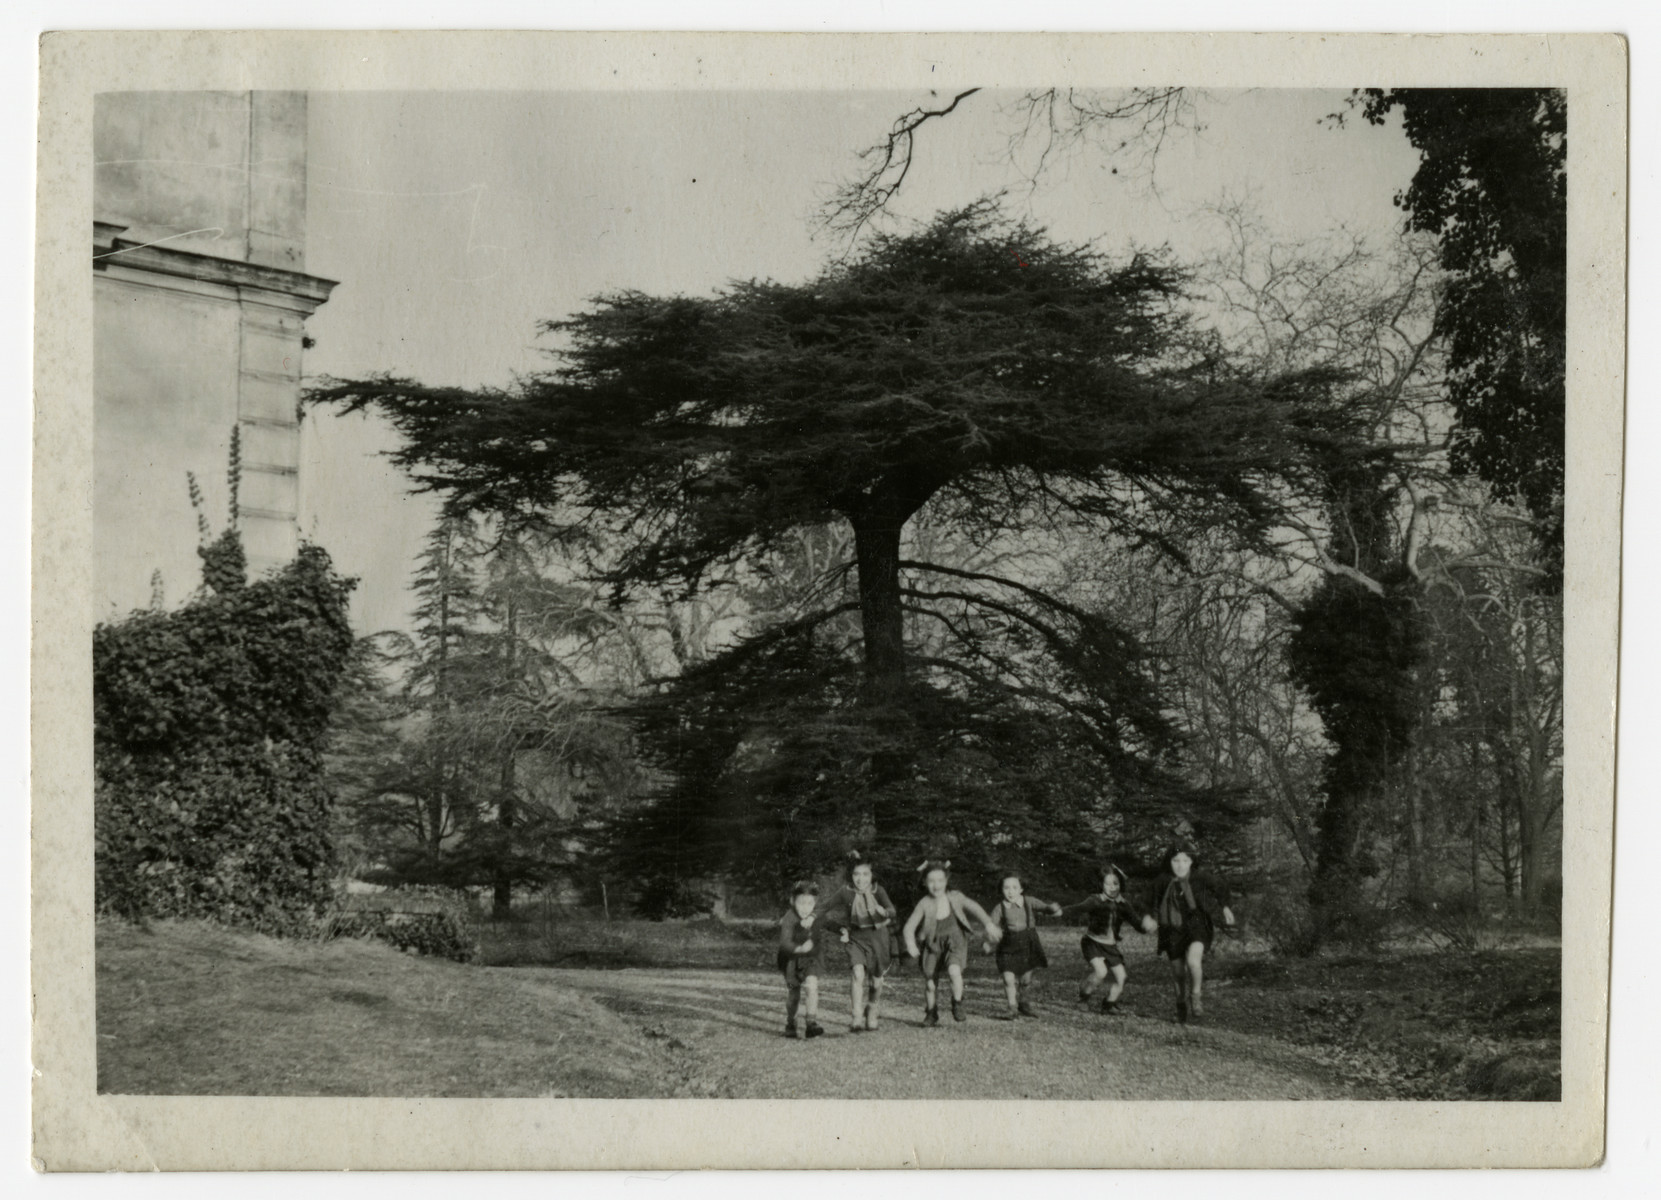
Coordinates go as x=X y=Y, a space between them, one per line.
x=731 y=1023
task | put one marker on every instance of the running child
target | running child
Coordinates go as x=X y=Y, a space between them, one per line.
x=1020 y=953
x=1105 y=915
x=801 y=960
x=1188 y=904
x=937 y=934
x=865 y=917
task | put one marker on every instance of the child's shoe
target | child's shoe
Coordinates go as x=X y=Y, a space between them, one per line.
x=814 y=1029
x=1182 y=1012
x=957 y=1011
x=1009 y=1015
x=1110 y=1008
x=931 y=1016
x=790 y=1031
x=1195 y=1008
x=857 y=1027
x=1025 y=1008
x=870 y=1018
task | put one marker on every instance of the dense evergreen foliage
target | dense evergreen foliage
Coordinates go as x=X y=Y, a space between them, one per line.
x=974 y=369
x=1492 y=186
x=209 y=723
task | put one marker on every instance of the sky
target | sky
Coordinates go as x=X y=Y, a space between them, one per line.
x=455 y=222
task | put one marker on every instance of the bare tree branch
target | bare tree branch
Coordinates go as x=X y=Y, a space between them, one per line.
x=883 y=168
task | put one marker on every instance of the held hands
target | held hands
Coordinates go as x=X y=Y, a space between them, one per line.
x=806 y=947
x=994 y=935
x=1228 y=916
x=844 y=937
x=1055 y=910
x=1149 y=925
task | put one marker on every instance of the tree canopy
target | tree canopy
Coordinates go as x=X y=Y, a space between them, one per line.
x=1493 y=187
x=1009 y=384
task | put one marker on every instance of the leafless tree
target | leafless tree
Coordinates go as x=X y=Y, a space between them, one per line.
x=1130 y=125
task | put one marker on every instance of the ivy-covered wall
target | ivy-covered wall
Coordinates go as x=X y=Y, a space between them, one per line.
x=209 y=726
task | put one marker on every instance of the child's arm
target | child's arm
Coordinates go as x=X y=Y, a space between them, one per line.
x=888 y=908
x=1076 y=906
x=786 y=942
x=1055 y=910
x=993 y=933
x=1221 y=891
x=841 y=905
x=1140 y=917
x=910 y=931
x=997 y=917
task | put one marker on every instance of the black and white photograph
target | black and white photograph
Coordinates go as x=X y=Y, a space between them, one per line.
x=926 y=592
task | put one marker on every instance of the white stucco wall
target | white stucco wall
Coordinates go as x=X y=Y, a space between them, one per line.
x=199 y=308
x=165 y=398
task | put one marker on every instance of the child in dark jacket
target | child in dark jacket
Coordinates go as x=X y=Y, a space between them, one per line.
x=1105 y=915
x=865 y=916
x=1020 y=952
x=801 y=959
x=1188 y=903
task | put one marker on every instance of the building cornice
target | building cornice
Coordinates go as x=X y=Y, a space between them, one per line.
x=110 y=248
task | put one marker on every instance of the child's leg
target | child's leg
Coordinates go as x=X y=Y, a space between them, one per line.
x=956 y=972
x=929 y=1000
x=1012 y=988
x=1092 y=981
x=1196 y=972
x=1114 y=992
x=859 y=993
x=1179 y=976
x=810 y=988
x=1021 y=1004
x=873 y=1006
x=792 y=1001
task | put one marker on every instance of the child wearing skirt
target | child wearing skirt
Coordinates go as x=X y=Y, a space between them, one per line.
x=801 y=960
x=937 y=934
x=1020 y=952
x=865 y=915
x=1105 y=916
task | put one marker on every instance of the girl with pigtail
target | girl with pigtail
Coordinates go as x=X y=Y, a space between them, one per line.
x=1106 y=914
x=865 y=916
x=937 y=934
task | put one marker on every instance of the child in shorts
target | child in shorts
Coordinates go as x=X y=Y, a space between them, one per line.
x=1020 y=952
x=1105 y=914
x=864 y=915
x=801 y=960
x=937 y=935
x=1188 y=903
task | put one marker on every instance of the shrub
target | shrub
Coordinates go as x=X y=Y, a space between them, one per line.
x=1287 y=924
x=665 y=898
x=209 y=799
x=1449 y=917
x=418 y=920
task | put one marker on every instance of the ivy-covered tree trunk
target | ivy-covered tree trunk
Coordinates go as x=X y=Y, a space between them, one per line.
x=1358 y=649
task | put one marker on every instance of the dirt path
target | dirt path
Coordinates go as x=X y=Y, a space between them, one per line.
x=731 y=1023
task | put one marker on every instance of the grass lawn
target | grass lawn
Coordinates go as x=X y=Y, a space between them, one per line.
x=1418 y=1023
x=694 y=1008
x=191 y=1008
